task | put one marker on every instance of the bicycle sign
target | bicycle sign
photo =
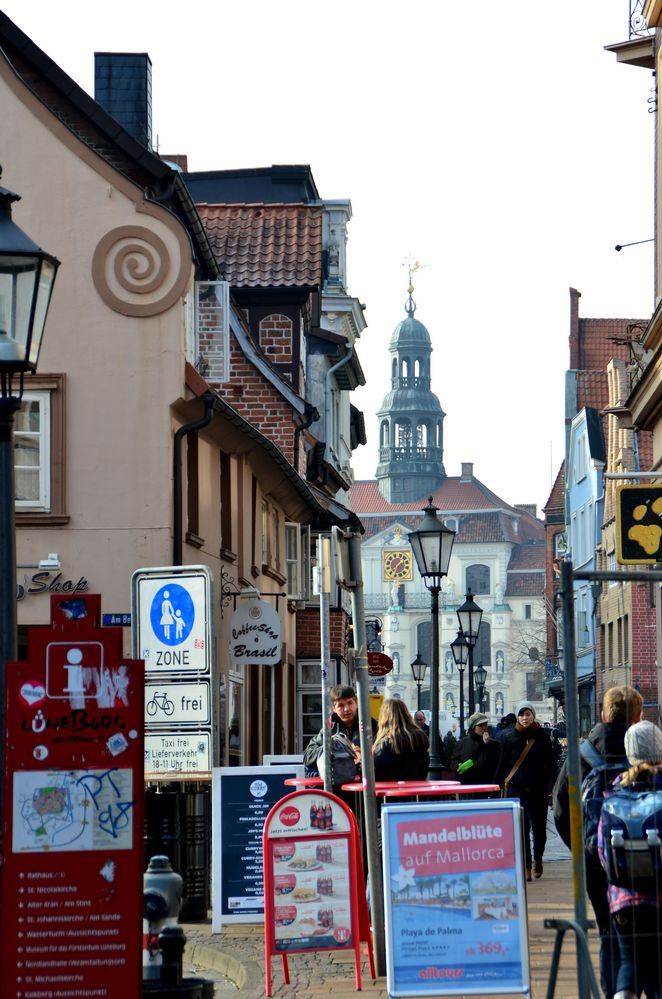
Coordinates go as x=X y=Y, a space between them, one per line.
x=184 y=703
x=159 y=702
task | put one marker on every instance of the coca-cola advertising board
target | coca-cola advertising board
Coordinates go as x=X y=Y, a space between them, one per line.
x=72 y=850
x=314 y=896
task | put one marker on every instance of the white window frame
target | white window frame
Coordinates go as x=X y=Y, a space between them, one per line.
x=43 y=398
x=293 y=561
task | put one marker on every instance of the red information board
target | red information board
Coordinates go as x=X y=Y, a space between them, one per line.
x=72 y=836
x=314 y=892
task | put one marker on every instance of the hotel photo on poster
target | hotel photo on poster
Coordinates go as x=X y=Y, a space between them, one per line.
x=455 y=899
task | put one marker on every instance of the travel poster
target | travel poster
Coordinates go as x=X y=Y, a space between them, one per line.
x=455 y=899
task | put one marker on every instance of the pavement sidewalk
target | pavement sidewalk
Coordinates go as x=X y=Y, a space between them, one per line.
x=234 y=959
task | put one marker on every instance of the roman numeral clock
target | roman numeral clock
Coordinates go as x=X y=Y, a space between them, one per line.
x=397 y=563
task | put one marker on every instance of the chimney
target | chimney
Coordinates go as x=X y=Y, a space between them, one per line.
x=123 y=88
x=467 y=471
x=528 y=508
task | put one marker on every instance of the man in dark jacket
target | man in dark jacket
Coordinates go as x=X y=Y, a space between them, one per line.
x=621 y=707
x=529 y=777
x=345 y=721
x=476 y=755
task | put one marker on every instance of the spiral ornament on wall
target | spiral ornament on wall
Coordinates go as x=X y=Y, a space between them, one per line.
x=135 y=272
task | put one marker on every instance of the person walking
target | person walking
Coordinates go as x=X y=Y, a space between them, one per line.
x=634 y=894
x=401 y=749
x=476 y=755
x=525 y=771
x=621 y=707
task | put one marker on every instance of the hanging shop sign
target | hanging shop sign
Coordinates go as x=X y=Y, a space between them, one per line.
x=379 y=664
x=255 y=634
x=455 y=899
x=638 y=525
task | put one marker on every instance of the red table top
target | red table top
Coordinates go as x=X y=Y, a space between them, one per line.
x=304 y=781
x=395 y=792
x=408 y=786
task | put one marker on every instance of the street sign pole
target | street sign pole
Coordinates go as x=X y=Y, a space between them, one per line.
x=350 y=559
x=324 y=582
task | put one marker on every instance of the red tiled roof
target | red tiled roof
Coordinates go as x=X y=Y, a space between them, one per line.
x=527 y=557
x=601 y=339
x=555 y=500
x=592 y=390
x=264 y=245
x=451 y=496
x=525 y=584
x=482 y=516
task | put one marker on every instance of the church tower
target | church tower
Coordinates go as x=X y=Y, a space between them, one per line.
x=411 y=418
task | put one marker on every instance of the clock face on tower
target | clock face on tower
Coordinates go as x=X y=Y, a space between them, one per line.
x=397 y=564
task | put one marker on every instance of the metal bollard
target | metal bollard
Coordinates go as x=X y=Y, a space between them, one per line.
x=172 y=941
x=162 y=898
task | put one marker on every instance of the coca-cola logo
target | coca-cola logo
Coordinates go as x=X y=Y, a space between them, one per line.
x=290 y=816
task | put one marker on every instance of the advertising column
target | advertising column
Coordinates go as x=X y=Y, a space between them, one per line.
x=72 y=857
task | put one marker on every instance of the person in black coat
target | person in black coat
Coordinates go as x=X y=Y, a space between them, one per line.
x=621 y=707
x=476 y=756
x=401 y=749
x=531 y=782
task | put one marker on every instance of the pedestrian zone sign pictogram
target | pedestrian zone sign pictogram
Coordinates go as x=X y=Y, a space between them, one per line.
x=172 y=618
x=639 y=525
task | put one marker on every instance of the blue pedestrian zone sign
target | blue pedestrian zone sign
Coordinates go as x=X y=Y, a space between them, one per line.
x=172 y=619
x=172 y=614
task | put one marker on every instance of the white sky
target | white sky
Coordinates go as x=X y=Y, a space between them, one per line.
x=496 y=142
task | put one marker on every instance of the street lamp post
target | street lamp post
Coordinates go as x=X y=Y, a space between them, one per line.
x=480 y=675
x=460 y=651
x=27 y=275
x=432 y=545
x=469 y=615
x=419 y=669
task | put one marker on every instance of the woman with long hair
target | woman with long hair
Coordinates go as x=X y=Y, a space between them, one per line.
x=401 y=748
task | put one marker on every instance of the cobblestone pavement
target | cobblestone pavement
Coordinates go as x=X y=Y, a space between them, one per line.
x=234 y=959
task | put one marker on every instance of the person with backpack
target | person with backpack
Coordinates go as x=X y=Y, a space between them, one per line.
x=602 y=757
x=401 y=747
x=525 y=771
x=630 y=849
x=345 y=740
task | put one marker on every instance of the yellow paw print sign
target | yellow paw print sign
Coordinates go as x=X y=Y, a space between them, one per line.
x=639 y=524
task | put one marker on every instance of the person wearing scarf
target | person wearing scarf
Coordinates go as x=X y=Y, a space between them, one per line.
x=531 y=783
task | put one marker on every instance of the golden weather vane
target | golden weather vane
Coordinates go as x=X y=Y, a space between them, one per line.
x=413 y=266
